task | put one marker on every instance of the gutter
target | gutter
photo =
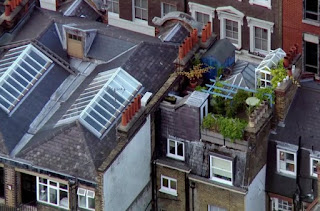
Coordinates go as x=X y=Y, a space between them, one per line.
x=40 y=169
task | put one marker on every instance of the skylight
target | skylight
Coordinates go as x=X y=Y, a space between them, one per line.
x=20 y=69
x=109 y=102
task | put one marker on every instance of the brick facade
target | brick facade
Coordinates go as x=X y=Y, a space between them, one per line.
x=167 y=201
x=205 y=195
x=10 y=186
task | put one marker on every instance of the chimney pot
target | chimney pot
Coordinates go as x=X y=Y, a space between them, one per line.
x=190 y=42
x=209 y=28
x=195 y=32
x=204 y=35
x=7 y=11
x=187 y=45
x=181 y=52
x=208 y=31
x=124 y=120
x=136 y=102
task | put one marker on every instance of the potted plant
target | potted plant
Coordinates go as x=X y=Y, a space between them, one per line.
x=194 y=74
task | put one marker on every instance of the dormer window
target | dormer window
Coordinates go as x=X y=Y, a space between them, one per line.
x=20 y=69
x=221 y=170
x=75 y=37
x=286 y=162
x=75 y=46
x=175 y=149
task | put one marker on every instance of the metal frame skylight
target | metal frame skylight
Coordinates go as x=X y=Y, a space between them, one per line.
x=86 y=96
x=20 y=69
x=109 y=102
x=265 y=66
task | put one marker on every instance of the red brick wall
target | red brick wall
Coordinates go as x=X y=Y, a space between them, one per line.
x=293 y=28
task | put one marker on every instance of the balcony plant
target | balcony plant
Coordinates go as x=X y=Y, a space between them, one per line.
x=194 y=74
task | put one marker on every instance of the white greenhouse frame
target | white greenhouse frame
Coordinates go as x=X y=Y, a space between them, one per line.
x=265 y=66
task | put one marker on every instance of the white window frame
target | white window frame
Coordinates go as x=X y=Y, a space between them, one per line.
x=263 y=3
x=205 y=107
x=215 y=208
x=175 y=156
x=169 y=190
x=254 y=22
x=112 y=2
x=194 y=7
x=295 y=162
x=86 y=193
x=230 y=13
x=311 y=166
x=219 y=179
x=134 y=13
x=170 y=5
x=267 y=83
x=275 y=204
x=57 y=188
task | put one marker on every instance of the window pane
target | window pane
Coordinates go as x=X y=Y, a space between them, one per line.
x=82 y=201
x=290 y=167
x=221 y=164
x=53 y=196
x=311 y=58
x=144 y=4
x=53 y=183
x=290 y=156
x=91 y=203
x=137 y=3
x=173 y=185
x=64 y=198
x=180 y=149
x=43 y=193
x=172 y=147
x=165 y=182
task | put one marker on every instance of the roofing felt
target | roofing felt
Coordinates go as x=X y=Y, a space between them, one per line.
x=197 y=98
x=221 y=50
x=303 y=119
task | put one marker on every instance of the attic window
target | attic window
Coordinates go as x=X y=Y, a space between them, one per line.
x=109 y=102
x=20 y=70
x=75 y=37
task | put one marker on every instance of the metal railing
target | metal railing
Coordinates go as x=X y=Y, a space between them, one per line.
x=21 y=207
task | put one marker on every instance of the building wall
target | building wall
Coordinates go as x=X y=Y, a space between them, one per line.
x=259 y=12
x=205 y=195
x=256 y=196
x=167 y=201
x=155 y=7
x=129 y=173
x=293 y=27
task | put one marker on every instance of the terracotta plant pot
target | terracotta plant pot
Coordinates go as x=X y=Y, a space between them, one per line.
x=193 y=83
x=289 y=72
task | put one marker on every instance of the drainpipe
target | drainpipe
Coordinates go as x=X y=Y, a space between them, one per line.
x=187 y=192
x=192 y=186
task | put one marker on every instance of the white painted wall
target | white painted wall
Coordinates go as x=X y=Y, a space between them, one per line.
x=130 y=172
x=48 y=4
x=256 y=196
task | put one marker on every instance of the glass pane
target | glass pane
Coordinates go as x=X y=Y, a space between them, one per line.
x=145 y=4
x=53 y=196
x=180 y=148
x=38 y=58
x=64 y=198
x=53 y=183
x=265 y=34
x=144 y=14
x=258 y=32
x=290 y=167
x=311 y=52
x=63 y=186
x=257 y=43
x=82 y=201
x=221 y=173
x=172 y=147
x=43 y=193
x=173 y=185
x=289 y=156
x=137 y=3
x=91 y=203
x=264 y=45
x=43 y=180
x=93 y=123
x=165 y=182
x=221 y=164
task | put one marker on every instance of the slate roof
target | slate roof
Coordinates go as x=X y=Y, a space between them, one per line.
x=221 y=50
x=84 y=10
x=302 y=120
x=175 y=34
x=13 y=127
x=151 y=64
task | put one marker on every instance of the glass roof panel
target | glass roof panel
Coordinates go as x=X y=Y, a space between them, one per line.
x=21 y=68
x=109 y=102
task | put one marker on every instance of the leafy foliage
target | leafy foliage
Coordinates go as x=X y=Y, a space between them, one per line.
x=200 y=88
x=261 y=94
x=278 y=74
x=232 y=128
x=195 y=72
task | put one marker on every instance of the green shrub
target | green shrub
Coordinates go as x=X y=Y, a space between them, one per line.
x=261 y=94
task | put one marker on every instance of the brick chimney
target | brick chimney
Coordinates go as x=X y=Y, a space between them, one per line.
x=131 y=110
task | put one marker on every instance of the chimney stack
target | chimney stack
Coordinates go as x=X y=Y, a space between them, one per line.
x=131 y=110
